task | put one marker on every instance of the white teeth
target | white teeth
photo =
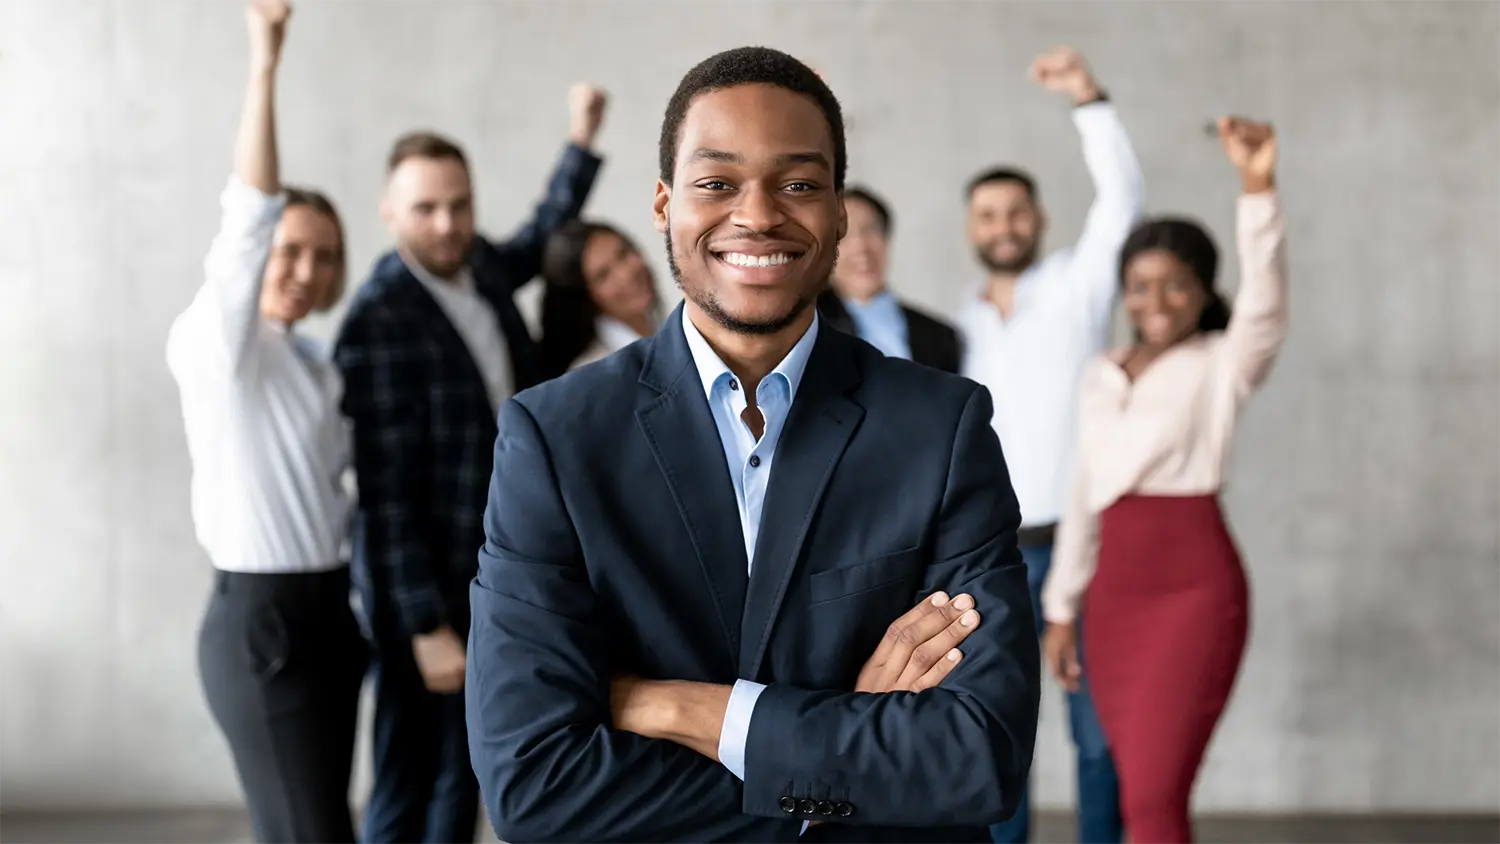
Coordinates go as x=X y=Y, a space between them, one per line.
x=739 y=259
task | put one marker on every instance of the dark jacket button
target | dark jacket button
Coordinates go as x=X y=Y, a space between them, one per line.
x=845 y=809
x=788 y=805
x=825 y=808
x=807 y=807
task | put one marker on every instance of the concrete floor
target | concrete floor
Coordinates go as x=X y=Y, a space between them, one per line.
x=231 y=827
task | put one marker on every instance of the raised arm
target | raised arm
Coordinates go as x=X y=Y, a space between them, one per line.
x=1119 y=191
x=567 y=188
x=1258 y=322
x=550 y=764
x=219 y=326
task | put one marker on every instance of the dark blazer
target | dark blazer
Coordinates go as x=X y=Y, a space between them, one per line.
x=423 y=422
x=933 y=342
x=613 y=544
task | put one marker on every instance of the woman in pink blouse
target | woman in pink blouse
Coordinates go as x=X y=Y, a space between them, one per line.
x=1143 y=537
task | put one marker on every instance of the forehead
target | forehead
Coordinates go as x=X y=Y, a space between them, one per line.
x=302 y=224
x=860 y=211
x=1005 y=194
x=601 y=246
x=421 y=179
x=758 y=123
x=1156 y=263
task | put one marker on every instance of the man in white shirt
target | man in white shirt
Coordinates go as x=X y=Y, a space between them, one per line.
x=1028 y=331
x=432 y=346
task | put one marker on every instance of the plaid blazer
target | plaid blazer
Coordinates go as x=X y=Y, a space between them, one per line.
x=424 y=429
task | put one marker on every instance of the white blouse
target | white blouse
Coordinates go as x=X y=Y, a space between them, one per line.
x=269 y=447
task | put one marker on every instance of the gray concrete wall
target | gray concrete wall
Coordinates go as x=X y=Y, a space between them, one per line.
x=1366 y=491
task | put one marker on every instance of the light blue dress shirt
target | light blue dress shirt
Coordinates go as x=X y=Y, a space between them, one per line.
x=881 y=323
x=750 y=468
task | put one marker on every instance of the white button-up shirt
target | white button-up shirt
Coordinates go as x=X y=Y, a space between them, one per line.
x=476 y=322
x=261 y=408
x=1032 y=362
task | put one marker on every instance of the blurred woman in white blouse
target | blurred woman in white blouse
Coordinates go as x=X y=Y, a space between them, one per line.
x=1145 y=566
x=280 y=653
x=600 y=296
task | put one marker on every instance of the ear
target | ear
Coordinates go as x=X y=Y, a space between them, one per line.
x=843 y=217
x=659 y=205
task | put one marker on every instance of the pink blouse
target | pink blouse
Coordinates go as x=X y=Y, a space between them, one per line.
x=1169 y=432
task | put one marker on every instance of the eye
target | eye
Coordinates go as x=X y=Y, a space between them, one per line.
x=713 y=185
x=801 y=187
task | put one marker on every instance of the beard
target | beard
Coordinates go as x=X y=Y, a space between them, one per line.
x=441 y=268
x=1024 y=258
x=710 y=305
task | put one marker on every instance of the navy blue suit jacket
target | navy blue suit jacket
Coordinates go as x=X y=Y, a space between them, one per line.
x=613 y=545
x=423 y=422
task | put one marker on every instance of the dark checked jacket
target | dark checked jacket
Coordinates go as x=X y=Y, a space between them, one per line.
x=424 y=428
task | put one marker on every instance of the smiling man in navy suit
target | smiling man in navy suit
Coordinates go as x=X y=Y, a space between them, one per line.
x=694 y=545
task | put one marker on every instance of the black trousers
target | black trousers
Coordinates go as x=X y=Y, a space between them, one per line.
x=281 y=659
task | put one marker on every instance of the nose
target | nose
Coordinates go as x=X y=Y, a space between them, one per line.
x=305 y=268
x=442 y=222
x=757 y=210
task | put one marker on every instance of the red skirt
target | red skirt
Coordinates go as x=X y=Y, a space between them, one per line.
x=1164 y=626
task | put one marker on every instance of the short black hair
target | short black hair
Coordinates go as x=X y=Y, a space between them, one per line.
x=1003 y=174
x=751 y=66
x=865 y=195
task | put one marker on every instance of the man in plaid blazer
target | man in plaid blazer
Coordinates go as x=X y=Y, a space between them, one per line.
x=432 y=345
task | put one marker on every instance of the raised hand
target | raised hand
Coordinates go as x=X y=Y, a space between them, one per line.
x=586 y=112
x=1251 y=148
x=1062 y=69
x=267 y=22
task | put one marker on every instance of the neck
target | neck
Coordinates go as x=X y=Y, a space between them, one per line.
x=750 y=357
x=642 y=324
x=1003 y=280
x=864 y=297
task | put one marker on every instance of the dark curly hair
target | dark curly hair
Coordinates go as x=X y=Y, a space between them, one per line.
x=1193 y=246
x=751 y=66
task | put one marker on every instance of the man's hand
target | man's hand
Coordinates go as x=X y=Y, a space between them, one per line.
x=1060 y=653
x=921 y=647
x=1062 y=69
x=586 y=109
x=441 y=659
x=1251 y=148
x=267 y=22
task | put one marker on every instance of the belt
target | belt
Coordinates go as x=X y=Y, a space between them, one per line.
x=1036 y=536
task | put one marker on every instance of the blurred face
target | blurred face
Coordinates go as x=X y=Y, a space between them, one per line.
x=429 y=208
x=1163 y=297
x=752 y=219
x=860 y=271
x=1004 y=226
x=304 y=267
x=619 y=281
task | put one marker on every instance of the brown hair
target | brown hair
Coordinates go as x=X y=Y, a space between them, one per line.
x=424 y=145
x=320 y=203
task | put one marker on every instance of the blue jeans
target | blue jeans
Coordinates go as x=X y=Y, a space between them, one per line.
x=1098 y=787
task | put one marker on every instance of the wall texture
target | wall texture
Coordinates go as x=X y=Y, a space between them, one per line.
x=1367 y=485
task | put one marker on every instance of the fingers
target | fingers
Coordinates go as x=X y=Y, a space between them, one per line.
x=922 y=622
x=939 y=647
x=938 y=672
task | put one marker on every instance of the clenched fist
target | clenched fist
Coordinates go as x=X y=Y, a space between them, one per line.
x=267 y=22
x=1062 y=69
x=1251 y=148
x=586 y=109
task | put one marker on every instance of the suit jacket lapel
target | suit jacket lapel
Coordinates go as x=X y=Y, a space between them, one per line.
x=679 y=428
x=818 y=427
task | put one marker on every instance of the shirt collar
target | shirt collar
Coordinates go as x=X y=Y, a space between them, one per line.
x=882 y=302
x=711 y=367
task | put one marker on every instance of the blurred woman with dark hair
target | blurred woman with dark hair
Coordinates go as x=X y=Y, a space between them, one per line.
x=1145 y=564
x=600 y=296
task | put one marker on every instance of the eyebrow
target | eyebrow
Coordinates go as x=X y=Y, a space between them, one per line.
x=782 y=160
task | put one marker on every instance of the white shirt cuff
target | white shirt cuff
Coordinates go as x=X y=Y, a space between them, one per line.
x=737 y=726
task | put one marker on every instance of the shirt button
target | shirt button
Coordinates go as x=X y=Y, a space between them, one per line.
x=733 y=384
x=755 y=461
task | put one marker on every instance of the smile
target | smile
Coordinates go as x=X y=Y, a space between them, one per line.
x=741 y=259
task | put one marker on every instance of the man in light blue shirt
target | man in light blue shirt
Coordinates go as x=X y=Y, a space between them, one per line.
x=860 y=302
